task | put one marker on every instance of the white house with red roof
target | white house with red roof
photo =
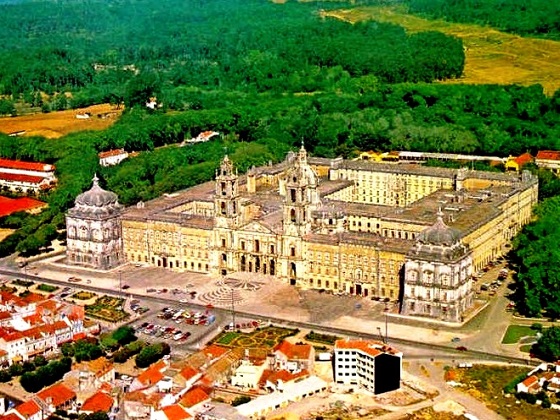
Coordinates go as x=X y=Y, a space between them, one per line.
x=549 y=159
x=112 y=157
x=58 y=397
x=370 y=364
x=26 y=176
x=294 y=357
x=529 y=385
x=150 y=378
x=28 y=410
x=100 y=401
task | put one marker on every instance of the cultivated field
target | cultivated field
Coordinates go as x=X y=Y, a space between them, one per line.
x=57 y=124
x=492 y=57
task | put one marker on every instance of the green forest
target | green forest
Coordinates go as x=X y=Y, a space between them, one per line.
x=524 y=17
x=266 y=76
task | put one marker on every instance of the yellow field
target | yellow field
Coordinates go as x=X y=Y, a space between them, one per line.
x=492 y=57
x=58 y=124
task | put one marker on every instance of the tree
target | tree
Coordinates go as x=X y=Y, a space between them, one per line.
x=240 y=400
x=548 y=346
x=124 y=335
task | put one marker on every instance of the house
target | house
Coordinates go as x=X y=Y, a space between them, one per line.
x=276 y=380
x=529 y=385
x=194 y=398
x=516 y=163
x=26 y=177
x=201 y=138
x=171 y=412
x=100 y=401
x=57 y=397
x=370 y=364
x=187 y=377
x=294 y=357
x=247 y=374
x=548 y=159
x=28 y=410
x=93 y=373
x=150 y=377
x=112 y=157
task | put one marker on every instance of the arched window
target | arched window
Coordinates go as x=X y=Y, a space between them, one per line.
x=292 y=215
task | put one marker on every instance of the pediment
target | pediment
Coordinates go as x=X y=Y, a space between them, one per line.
x=256 y=227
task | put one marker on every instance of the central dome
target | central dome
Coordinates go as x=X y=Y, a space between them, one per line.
x=439 y=233
x=96 y=196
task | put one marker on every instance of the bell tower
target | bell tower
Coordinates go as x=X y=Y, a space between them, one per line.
x=300 y=196
x=226 y=198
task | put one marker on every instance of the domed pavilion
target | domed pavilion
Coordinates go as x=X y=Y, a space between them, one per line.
x=93 y=229
x=437 y=274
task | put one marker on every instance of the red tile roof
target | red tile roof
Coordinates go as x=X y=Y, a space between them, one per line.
x=548 y=155
x=10 y=334
x=284 y=376
x=110 y=153
x=294 y=351
x=59 y=393
x=523 y=159
x=99 y=401
x=152 y=375
x=214 y=351
x=28 y=409
x=188 y=372
x=176 y=412
x=12 y=205
x=193 y=397
x=530 y=380
x=28 y=166
x=30 y=179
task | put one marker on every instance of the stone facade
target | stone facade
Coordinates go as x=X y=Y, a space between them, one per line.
x=354 y=227
x=93 y=229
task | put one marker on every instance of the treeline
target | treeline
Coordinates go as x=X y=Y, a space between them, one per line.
x=537 y=258
x=523 y=17
x=127 y=51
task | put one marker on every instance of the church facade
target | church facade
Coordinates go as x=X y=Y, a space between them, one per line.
x=400 y=231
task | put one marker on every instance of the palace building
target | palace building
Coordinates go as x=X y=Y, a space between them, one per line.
x=400 y=231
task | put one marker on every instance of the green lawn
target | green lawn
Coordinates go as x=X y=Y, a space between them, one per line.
x=515 y=332
x=526 y=348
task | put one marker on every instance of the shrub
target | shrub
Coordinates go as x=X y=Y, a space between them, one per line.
x=537 y=326
x=40 y=361
x=240 y=400
x=511 y=385
x=15 y=369
x=5 y=375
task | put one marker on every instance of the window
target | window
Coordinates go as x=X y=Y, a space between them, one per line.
x=272 y=249
x=257 y=246
x=292 y=215
x=292 y=251
x=243 y=245
x=293 y=195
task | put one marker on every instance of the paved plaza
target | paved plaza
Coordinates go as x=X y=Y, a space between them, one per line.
x=251 y=293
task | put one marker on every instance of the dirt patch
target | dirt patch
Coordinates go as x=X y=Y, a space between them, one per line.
x=57 y=124
x=5 y=232
x=492 y=57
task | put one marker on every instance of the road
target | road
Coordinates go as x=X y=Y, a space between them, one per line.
x=452 y=352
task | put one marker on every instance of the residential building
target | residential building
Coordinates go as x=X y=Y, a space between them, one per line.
x=529 y=385
x=57 y=397
x=371 y=365
x=26 y=204
x=294 y=357
x=514 y=163
x=112 y=157
x=29 y=410
x=26 y=177
x=100 y=401
x=247 y=374
x=548 y=159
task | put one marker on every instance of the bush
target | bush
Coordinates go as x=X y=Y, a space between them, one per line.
x=15 y=369
x=40 y=361
x=5 y=375
x=537 y=327
x=511 y=385
x=240 y=400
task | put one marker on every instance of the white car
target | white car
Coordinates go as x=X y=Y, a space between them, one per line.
x=183 y=300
